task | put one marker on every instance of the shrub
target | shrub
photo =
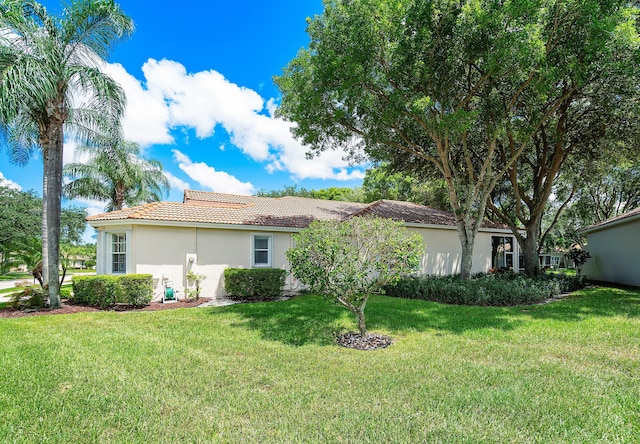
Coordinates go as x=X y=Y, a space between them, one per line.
x=96 y=291
x=136 y=289
x=485 y=289
x=194 y=280
x=579 y=257
x=254 y=283
x=346 y=261
x=65 y=292
x=27 y=298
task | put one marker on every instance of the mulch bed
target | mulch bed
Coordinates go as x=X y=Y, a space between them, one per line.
x=68 y=307
x=371 y=341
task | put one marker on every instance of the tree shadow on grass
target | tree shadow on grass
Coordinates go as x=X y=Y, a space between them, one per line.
x=298 y=321
x=597 y=301
x=313 y=320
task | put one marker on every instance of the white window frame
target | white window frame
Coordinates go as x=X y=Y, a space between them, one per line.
x=505 y=254
x=269 y=238
x=113 y=253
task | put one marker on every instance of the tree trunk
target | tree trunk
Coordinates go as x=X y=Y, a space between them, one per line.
x=51 y=198
x=44 y=225
x=361 y=325
x=467 y=239
x=529 y=246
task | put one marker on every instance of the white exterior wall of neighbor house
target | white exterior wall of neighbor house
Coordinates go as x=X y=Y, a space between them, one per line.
x=615 y=256
x=169 y=252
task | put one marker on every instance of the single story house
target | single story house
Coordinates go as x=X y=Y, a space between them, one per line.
x=209 y=232
x=614 y=245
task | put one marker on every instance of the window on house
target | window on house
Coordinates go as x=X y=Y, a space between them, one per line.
x=118 y=253
x=261 y=250
x=502 y=252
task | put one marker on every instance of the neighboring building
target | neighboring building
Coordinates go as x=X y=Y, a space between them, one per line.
x=209 y=232
x=614 y=245
x=555 y=260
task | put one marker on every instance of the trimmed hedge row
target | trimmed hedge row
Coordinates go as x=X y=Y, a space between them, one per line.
x=105 y=291
x=264 y=284
x=499 y=289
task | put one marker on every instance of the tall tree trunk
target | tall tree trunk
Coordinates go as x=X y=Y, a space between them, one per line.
x=466 y=262
x=529 y=246
x=44 y=225
x=52 y=192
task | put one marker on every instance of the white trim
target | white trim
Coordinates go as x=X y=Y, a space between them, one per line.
x=112 y=253
x=269 y=238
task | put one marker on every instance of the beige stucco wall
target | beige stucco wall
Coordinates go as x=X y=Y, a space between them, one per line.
x=165 y=253
x=442 y=251
x=615 y=256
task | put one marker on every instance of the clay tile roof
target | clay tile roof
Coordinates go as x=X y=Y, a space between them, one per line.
x=291 y=212
x=413 y=213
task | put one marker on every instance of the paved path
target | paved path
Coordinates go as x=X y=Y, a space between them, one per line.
x=4 y=297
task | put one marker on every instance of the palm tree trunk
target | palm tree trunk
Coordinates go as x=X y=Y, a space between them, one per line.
x=52 y=192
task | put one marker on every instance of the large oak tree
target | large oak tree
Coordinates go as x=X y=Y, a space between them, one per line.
x=434 y=83
x=593 y=72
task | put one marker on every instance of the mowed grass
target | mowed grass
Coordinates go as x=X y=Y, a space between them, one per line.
x=271 y=372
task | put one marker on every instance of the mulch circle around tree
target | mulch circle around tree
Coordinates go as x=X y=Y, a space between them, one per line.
x=371 y=341
x=68 y=307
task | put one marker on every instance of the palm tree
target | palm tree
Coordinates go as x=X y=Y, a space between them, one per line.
x=50 y=83
x=116 y=174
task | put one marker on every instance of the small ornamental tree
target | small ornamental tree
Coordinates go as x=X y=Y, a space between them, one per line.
x=579 y=258
x=347 y=261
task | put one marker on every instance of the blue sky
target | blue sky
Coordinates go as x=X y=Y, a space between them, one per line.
x=201 y=97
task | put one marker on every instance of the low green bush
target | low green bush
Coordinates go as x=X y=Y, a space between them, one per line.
x=136 y=289
x=105 y=291
x=96 y=291
x=501 y=289
x=65 y=292
x=263 y=284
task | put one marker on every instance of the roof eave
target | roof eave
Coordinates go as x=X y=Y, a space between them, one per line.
x=604 y=226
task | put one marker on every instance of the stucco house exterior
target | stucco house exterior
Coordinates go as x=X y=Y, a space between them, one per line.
x=614 y=245
x=209 y=232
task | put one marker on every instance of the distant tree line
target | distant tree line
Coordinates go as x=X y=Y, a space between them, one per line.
x=20 y=228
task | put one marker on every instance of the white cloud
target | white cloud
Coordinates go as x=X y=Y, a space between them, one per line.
x=71 y=154
x=175 y=182
x=147 y=119
x=93 y=206
x=9 y=183
x=211 y=179
x=173 y=98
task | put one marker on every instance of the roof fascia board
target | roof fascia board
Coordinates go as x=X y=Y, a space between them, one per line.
x=454 y=228
x=610 y=224
x=164 y=223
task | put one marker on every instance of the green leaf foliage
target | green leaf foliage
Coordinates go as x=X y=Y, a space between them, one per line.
x=105 y=291
x=116 y=174
x=52 y=87
x=136 y=289
x=96 y=291
x=499 y=289
x=254 y=283
x=346 y=261
x=442 y=85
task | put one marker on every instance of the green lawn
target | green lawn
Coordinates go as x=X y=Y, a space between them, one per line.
x=563 y=372
x=16 y=275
